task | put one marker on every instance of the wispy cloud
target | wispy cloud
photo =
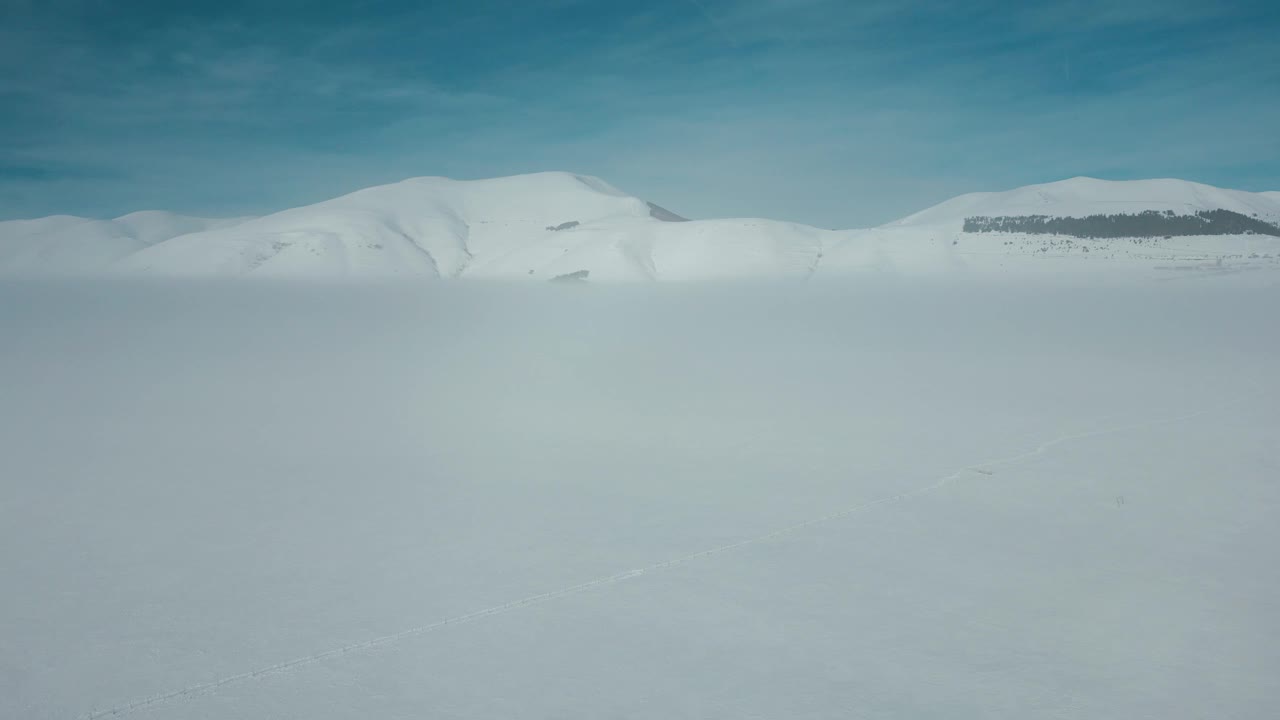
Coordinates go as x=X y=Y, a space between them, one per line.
x=822 y=111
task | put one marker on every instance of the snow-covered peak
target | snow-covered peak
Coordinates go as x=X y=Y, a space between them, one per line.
x=1082 y=196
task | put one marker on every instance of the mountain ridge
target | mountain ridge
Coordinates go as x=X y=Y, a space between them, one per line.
x=553 y=224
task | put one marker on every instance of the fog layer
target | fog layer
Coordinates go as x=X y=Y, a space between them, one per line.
x=920 y=501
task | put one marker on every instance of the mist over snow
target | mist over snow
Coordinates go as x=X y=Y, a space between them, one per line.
x=993 y=496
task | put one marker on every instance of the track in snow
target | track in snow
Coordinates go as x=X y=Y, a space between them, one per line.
x=289 y=665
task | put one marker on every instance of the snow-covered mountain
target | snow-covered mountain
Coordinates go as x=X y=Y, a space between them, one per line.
x=541 y=226
x=64 y=243
x=1082 y=196
x=1143 y=225
x=422 y=226
x=557 y=225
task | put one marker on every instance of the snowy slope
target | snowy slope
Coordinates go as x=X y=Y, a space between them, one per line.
x=67 y=244
x=1083 y=196
x=641 y=249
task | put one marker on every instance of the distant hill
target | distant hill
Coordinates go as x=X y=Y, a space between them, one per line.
x=1088 y=197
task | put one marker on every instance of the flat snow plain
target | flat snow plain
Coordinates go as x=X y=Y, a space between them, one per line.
x=890 y=499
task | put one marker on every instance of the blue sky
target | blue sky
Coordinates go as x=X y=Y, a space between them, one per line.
x=830 y=112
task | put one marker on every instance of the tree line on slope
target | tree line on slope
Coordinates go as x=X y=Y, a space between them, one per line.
x=1146 y=224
